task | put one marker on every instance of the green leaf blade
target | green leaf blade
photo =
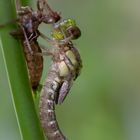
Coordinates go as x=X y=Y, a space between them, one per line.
x=17 y=79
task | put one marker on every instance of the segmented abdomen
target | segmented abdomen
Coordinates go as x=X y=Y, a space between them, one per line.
x=47 y=105
x=34 y=63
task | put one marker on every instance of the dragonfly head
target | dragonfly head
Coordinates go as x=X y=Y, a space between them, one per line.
x=71 y=29
x=66 y=28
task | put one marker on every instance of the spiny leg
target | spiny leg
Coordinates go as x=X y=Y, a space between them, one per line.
x=26 y=39
x=33 y=36
x=21 y=10
x=24 y=10
x=45 y=51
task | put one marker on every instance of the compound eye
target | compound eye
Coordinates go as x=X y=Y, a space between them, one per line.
x=73 y=31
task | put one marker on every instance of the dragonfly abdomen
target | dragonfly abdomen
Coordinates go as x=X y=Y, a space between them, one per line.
x=49 y=92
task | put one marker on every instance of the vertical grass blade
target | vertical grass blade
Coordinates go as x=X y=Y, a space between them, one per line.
x=16 y=75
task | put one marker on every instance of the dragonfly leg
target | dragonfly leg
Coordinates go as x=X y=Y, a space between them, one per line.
x=43 y=54
x=47 y=38
x=33 y=36
x=20 y=34
x=24 y=10
x=44 y=48
x=26 y=39
x=45 y=51
x=55 y=42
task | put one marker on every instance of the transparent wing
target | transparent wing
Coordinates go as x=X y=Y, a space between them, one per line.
x=64 y=90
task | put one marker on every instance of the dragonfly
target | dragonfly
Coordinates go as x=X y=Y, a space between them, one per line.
x=28 y=22
x=65 y=68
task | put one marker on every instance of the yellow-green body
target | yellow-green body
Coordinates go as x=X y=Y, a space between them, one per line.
x=66 y=58
x=68 y=64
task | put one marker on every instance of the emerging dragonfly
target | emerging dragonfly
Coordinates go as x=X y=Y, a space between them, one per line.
x=63 y=71
x=28 y=22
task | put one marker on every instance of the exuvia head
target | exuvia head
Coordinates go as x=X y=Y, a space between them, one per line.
x=51 y=18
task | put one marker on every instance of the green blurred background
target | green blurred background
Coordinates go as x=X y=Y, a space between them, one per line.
x=104 y=101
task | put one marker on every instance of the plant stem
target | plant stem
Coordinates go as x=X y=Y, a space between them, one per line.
x=17 y=77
